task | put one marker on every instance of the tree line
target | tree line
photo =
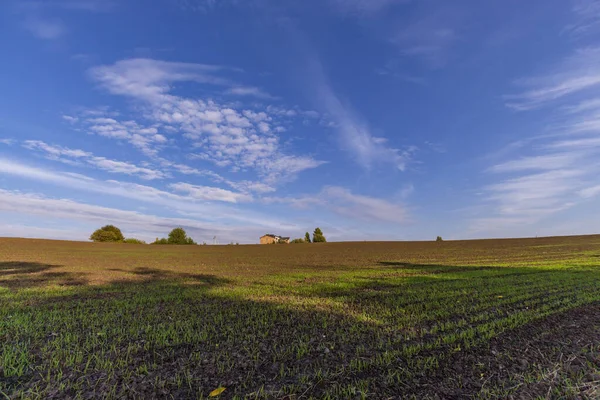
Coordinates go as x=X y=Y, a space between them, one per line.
x=318 y=237
x=110 y=233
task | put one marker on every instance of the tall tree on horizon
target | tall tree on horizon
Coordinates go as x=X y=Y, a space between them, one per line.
x=318 y=236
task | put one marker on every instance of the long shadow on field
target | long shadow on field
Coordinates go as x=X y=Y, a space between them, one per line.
x=437 y=268
x=184 y=340
x=20 y=275
x=150 y=275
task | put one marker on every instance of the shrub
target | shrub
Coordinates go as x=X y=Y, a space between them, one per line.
x=299 y=240
x=133 y=241
x=108 y=233
x=318 y=236
x=160 y=241
x=307 y=237
x=439 y=239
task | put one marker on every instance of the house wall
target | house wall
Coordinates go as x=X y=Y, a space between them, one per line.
x=267 y=240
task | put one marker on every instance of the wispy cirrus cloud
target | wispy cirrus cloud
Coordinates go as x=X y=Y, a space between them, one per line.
x=133 y=223
x=354 y=133
x=214 y=212
x=45 y=28
x=150 y=79
x=72 y=5
x=362 y=7
x=40 y=20
x=343 y=202
x=575 y=75
x=586 y=18
x=210 y=193
x=430 y=36
x=80 y=157
x=562 y=169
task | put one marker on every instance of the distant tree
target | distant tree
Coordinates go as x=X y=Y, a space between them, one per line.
x=439 y=239
x=133 y=241
x=179 y=236
x=299 y=240
x=160 y=241
x=108 y=233
x=318 y=236
x=307 y=237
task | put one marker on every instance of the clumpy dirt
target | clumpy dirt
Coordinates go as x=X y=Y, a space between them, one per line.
x=557 y=357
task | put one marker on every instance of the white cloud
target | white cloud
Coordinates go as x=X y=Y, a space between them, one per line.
x=45 y=28
x=347 y=204
x=73 y=156
x=103 y=123
x=239 y=139
x=145 y=226
x=575 y=144
x=590 y=192
x=184 y=205
x=545 y=162
x=576 y=74
x=586 y=18
x=149 y=79
x=210 y=193
x=362 y=7
x=7 y=142
x=249 y=91
x=355 y=135
x=71 y=5
x=70 y=119
x=564 y=169
x=430 y=35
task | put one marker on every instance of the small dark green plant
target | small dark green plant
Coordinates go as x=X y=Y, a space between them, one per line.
x=299 y=240
x=439 y=239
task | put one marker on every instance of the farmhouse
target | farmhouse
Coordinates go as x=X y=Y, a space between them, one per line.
x=269 y=238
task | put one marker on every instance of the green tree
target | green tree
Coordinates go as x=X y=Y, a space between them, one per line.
x=318 y=236
x=108 y=233
x=439 y=239
x=307 y=237
x=299 y=240
x=179 y=236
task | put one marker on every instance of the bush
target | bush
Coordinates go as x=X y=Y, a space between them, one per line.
x=298 y=241
x=318 y=236
x=439 y=239
x=176 y=236
x=108 y=233
x=133 y=241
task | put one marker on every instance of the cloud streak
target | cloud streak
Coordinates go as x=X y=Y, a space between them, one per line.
x=76 y=156
x=355 y=135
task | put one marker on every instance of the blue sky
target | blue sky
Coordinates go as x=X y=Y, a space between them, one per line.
x=379 y=120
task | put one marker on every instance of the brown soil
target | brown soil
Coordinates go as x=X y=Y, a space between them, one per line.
x=558 y=357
